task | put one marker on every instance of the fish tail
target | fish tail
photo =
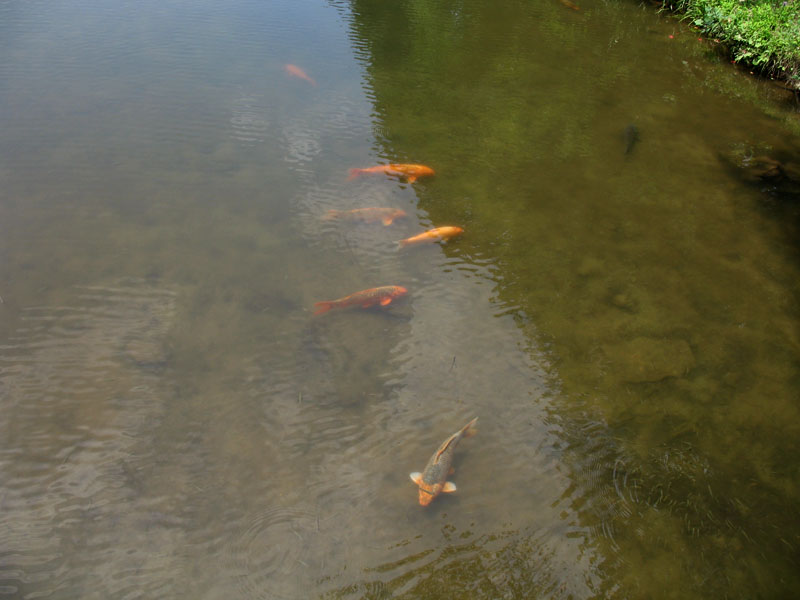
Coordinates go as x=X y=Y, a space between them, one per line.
x=353 y=173
x=322 y=307
x=402 y=243
x=469 y=429
x=331 y=214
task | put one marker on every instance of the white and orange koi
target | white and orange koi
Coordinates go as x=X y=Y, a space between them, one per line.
x=433 y=480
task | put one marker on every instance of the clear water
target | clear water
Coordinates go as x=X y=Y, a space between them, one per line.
x=176 y=423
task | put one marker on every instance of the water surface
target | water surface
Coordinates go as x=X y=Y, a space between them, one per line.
x=624 y=324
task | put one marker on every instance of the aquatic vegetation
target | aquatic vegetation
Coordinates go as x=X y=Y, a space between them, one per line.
x=765 y=34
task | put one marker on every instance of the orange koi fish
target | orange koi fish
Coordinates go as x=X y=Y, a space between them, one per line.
x=410 y=172
x=368 y=215
x=365 y=298
x=433 y=480
x=296 y=71
x=436 y=234
x=569 y=4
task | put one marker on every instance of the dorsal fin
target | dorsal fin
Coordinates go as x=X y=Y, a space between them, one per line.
x=467 y=431
x=446 y=445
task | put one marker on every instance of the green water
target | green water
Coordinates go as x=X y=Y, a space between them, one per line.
x=664 y=292
x=624 y=324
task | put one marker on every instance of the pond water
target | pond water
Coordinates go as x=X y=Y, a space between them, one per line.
x=621 y=312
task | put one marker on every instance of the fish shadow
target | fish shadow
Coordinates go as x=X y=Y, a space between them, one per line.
x=630 y=137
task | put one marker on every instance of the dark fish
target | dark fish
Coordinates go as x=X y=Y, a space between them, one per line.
x=631 y=136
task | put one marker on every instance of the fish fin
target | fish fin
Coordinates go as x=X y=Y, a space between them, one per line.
x=449 y=487
x=387 y=221
x=470 y=429
x=322 y=307
x=416 y=477
x=353 y=173
x=467 y=431
x=411 y=178
x=385 y=301
x=445 y=445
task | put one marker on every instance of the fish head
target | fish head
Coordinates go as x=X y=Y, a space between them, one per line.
x=445 y=233
x=398 y=291
x=391 y=215
x=428 y=492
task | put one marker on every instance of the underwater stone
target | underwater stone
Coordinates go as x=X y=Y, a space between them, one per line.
x=625 y=301
x=645 y=359
x=590 y=266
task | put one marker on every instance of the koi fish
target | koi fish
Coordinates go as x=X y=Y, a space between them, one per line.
x=410 y=172
x=433 y=480
x=630 y=136
x=436 y=234
x=365 y=298
x=296 y=71
x=368 y=215
x=569 y=4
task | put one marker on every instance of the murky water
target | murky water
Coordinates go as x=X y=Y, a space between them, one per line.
x=621 y=313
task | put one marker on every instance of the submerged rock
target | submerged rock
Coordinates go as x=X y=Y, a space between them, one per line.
x=762 y=167
x=644 y=359
x=590 y=266
x=777 y=169
x=626 y=301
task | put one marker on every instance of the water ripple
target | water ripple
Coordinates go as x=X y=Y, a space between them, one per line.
x=63 y=372
x=276 y=554
x=249 y=122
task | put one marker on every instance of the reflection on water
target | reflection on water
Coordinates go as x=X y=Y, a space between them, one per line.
x=623 y=323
